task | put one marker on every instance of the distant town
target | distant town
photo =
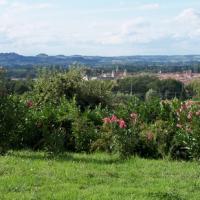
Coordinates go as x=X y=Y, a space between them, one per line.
x=185 y=77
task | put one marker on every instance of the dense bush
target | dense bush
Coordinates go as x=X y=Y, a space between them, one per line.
x=64 y=112
x=12 y=118
x=48 y=126
x=188 y=137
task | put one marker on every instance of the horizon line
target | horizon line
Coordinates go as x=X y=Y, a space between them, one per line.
x=85 y=55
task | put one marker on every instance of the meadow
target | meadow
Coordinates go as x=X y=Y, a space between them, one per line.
x=35 y=175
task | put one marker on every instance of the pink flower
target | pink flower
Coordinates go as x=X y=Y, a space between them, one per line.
x=198 y=113
x=184 y=106
x=178 y=112
x=190 y=115
x=189 y=104
x=150 y=136
x=134 y=117
x=188 y=129
x=107 y=120
x=179 y=126
x=114 y=119
x=29 y=104
x=122 y=123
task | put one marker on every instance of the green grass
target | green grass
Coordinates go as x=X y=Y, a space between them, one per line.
x=28 y=175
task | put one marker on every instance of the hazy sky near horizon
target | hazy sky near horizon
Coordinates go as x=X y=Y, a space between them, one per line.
x=100 y=27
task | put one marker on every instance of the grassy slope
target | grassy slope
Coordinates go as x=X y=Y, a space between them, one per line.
x=26 y=175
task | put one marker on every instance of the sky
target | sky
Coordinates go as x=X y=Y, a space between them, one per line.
x=100 y=27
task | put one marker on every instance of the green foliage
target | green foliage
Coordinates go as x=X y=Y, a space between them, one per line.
x=136 y=85
x=194 y=87
x=95 y=92
x=171 y=88
x=140 y=85
x=85 y=129
x=147 y=145
x=126 y=141
x=84 y=132
x=12 y=117
x=149 y=111
x=121 y=134
x=18 y=87
x=66 y=113
x=51 y=86
x=3 y=91
x=49 y=125
x=151 y=95
x=187 y=138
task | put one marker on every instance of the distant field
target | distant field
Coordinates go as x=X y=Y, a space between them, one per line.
x=27 y=175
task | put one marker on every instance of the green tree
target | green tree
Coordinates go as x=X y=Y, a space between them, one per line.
x=136 y=85
x=171 y=88
x=194 y=88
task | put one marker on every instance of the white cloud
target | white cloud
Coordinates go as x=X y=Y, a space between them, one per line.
x=136 y=31
x=186 y=24
x=22 y=28
x=3 y=2
x=188 y=15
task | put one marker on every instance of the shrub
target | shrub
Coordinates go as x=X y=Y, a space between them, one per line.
x=147 y=145
x=51 y=86
x=187 y=139
x=49 y=118
x=48 y=126
x=149 y=111
x=12 y=117
x=122 y=134
x=95 y=92
x=105 y=140
x=55 y=140
x=84 y=132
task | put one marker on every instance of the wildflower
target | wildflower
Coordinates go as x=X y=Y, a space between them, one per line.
x=122 y=123
x=114 y=119
x=198 y=113
x=29 y=104
x=179 y=126
x=190 y=115
x=189 y=104
x=106 y=120
x=150 y=136
x=165 y=102
x=134 y=117
x=183 y=107
x=178 y=112
x=188 y=129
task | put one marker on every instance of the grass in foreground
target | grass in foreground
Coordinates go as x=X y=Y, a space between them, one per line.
x=28 y=175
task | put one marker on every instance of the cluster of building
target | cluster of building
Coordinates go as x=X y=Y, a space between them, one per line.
x=185 y=77
x=113 y=75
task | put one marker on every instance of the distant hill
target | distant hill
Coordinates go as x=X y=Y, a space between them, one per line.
x=16 y=60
